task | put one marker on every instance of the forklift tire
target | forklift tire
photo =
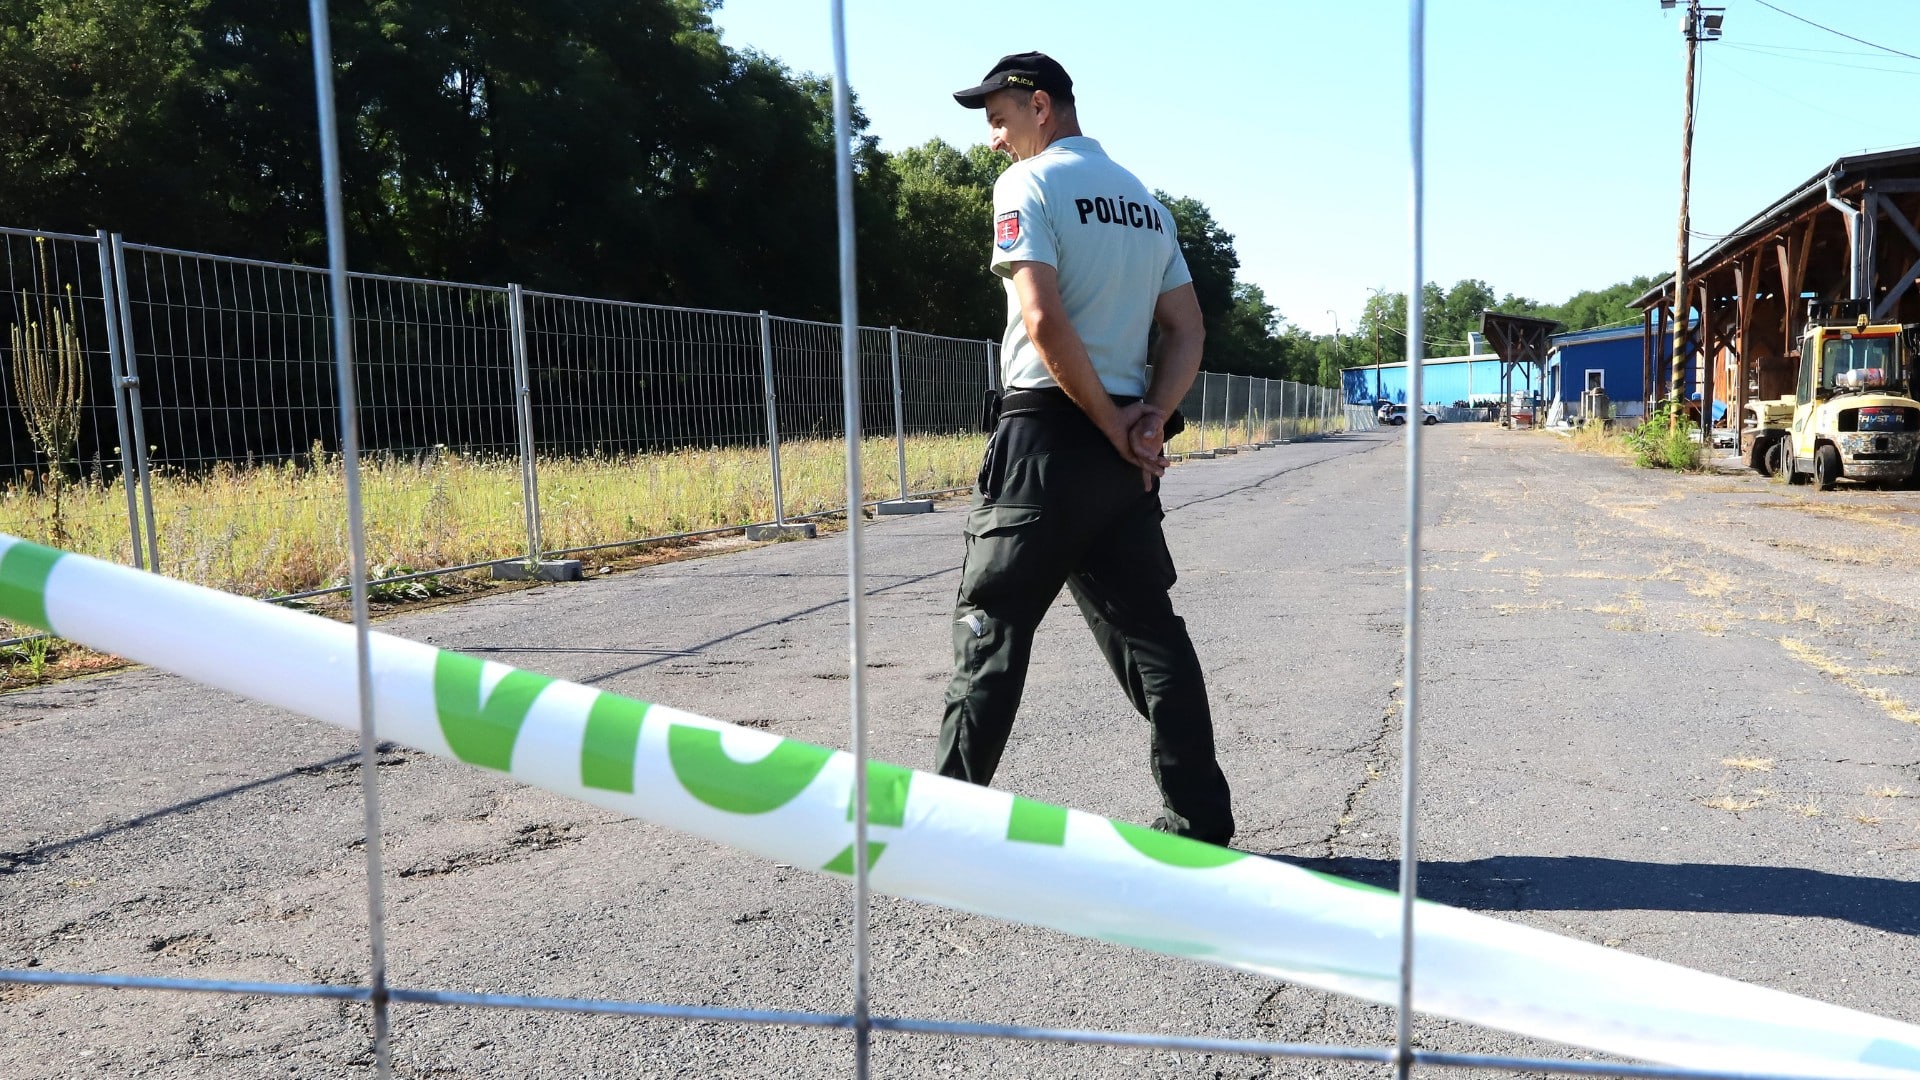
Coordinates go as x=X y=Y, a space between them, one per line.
x=1792 y=475
x=1760 y=456
x=1826 y=466
x=1774 y=463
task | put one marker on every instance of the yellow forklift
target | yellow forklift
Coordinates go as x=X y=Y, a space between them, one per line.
x=1853 y=413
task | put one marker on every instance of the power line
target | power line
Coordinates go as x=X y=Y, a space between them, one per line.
x=1802 y=49
x=1823 y=63
x=1824 y=110
x=1837 y=33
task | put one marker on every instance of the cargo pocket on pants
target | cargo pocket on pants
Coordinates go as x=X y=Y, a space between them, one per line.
x=1004 y=556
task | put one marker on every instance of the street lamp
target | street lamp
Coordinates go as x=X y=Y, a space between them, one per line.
x=1339 y=354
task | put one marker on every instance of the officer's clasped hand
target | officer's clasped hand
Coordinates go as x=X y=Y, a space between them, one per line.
x=1146 y=440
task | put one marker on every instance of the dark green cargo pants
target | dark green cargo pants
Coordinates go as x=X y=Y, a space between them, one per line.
x=1055 y=505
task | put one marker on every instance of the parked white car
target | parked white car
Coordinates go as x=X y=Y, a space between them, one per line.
x=1397 y=415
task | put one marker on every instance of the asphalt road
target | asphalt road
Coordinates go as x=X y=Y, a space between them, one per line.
x=1669 y=714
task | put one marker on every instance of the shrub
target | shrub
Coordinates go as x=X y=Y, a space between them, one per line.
x=1662 y=443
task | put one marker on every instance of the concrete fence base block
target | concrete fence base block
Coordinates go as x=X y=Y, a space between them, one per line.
x=905 y=506
x=524 y=570
x=1228 y=450
x=801 y=531
x=1203 y=455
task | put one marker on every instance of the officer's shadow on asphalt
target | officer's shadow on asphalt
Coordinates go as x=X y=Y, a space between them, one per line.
x=1583 y=883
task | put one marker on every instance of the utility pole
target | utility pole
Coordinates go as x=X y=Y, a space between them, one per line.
x=1376 y=361
x=1697 y=25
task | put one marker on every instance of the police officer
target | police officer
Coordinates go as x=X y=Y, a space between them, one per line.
x=1068 y=492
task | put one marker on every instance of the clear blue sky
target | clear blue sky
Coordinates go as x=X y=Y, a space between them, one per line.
x=1553 y=128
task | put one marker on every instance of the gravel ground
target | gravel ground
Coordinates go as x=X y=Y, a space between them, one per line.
x=1665 y=713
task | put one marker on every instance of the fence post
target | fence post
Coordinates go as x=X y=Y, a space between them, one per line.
x=130 y=381
x=117 y=375
x=773 y=416
x=523 y=418
x=1249 y=415
x=1203 y=410
x=899 y=413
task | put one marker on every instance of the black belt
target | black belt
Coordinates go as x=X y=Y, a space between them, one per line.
x=1021 y=401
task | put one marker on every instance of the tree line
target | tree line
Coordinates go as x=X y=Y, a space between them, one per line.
x=614 y=148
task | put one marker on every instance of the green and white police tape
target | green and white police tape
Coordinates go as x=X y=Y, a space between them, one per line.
x=945 y=842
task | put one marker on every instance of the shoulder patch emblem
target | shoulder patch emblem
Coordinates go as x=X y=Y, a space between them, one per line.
x=1006 y=230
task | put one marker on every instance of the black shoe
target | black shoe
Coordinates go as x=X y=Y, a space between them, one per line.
x=1161 y=824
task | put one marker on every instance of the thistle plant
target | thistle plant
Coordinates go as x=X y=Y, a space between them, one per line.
x=49 y=377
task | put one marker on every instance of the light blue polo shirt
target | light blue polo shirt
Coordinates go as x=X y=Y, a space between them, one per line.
x=1112 y=243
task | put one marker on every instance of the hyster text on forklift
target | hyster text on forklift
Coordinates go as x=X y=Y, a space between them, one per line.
x=1852 y=415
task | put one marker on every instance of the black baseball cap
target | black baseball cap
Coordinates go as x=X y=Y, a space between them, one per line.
x=1021 y=71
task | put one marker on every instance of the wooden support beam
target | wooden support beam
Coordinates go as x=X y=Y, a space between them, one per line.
x=1789 y=295
x=1646 y=352
x=1703 y=356
x=1745 y=372
x=1891 y=301
x=1899 y=217
x=1796 y=311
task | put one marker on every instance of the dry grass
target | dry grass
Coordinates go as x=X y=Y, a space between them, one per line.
x=1893 y=706
x=1865 y=818
x=1814 y=658
x=1748 y=764
x=1517 y=609
x=1730 y=804
x=1888 y=791
x=1596 y=439
x=1710 y=584
x=1884 y=516
x=1631 y=604
x=281 y=528
x=1809 y=809
x=1212 y=436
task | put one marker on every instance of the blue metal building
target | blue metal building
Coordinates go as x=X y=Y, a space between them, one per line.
x=1610 y=358
x=1445 y=380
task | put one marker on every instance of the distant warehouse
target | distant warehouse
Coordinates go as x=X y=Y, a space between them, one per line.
x=1445 y=380
x=1612 y=359
x=1609 y=358
x=1847 y=233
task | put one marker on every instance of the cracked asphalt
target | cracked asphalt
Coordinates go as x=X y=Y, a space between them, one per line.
x=1676 y=715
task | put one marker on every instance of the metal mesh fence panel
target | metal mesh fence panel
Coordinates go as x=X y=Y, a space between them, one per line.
x=647 y=421
x=57 y=399
x=942 y=382
x=812 y=420
x=237 y=393
x=639 y=421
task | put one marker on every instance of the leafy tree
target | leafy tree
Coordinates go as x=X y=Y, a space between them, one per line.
x=934 y=276
x=605 y=147
x=1591 y=308
x=1211 y=260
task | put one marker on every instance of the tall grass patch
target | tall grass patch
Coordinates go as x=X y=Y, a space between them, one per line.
x=280 y=528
